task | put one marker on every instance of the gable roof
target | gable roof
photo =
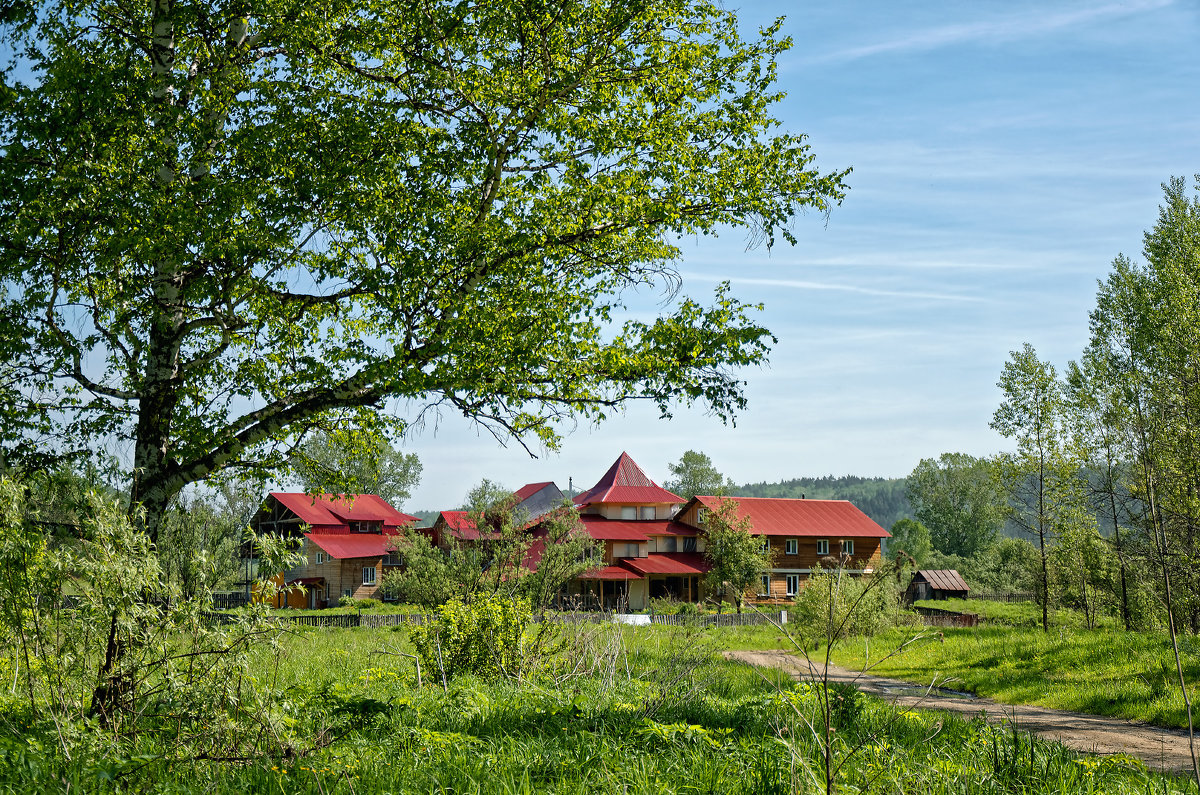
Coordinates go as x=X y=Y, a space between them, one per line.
x=461 y=525
x=771 y=516
x=943 y=579
x=539 y=499
x=338 y=509
x=626 y=482
x=530 y=489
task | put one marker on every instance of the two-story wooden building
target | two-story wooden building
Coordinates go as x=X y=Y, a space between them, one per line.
x=343 y=538
x=647 y=553
x=654 y=542
x=804 y=534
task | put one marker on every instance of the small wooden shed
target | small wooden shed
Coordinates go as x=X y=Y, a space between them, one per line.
x=936 y=584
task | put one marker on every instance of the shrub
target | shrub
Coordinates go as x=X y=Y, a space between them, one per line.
x=484 y=638
x=834 y=606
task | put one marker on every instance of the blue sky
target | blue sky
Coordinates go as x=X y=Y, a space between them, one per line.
x=1003 y=153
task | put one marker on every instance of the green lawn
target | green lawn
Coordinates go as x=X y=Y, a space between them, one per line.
x=1103 y=672
x=1017 y=614
x=619 y=709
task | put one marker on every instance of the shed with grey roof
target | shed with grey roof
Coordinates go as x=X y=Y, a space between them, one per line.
x=936 y=584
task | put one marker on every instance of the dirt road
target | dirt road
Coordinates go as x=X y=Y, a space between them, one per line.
x=1160 y=749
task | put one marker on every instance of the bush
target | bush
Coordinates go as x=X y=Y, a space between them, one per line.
x=359 y=604
x=484 y=638
x=834 y=606
x=666 y=606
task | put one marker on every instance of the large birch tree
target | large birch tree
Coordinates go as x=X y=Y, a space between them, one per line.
x=227 y=223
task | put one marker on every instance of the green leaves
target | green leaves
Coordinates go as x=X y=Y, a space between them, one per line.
x=224 y=231
x=737 y=557
x=484 y=638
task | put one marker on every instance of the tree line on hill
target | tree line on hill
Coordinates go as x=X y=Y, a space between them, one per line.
x=1101 y=488
x=883 y=499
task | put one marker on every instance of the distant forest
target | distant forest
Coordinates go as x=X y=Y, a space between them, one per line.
x=882 y=499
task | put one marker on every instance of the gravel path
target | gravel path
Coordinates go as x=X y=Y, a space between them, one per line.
x=1160 y=749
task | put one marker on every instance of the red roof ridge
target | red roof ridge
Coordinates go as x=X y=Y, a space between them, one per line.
x=327 y=509
x=788 y=516
x=762 y=499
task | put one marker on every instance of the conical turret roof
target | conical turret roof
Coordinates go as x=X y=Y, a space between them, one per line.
x=625 y=482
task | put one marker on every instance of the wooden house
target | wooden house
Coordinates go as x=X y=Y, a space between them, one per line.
x=805 y=535
x=647 y=554
x=532 y=500
x=936 y=584
x=344 y=541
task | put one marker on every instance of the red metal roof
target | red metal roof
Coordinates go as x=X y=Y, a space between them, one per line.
x=625 y=482
x=338 y=509
x=674 y=528
x=784 y=517
x=611 y=573
x=351 y=545
x=530 y=489
x=603 y=529
x=669 y=563
x=460 y=525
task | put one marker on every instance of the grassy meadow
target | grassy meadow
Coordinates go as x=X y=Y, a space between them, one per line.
x=614 y=709
x=1103 y=671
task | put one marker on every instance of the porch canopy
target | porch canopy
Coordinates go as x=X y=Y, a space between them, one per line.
x=678 y=564
x=340 y=546
x=610 y=573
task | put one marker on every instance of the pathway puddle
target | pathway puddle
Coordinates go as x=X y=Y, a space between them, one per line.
x=914 y=690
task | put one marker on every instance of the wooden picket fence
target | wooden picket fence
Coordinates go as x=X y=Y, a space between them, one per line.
x=369 y=621
x=751 y=619
x=1006 y=597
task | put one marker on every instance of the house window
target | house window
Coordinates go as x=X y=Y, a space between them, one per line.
x=791 y=546
x=368 y=575
x=647 y=511
x=823 y=546
x=347 y=592
x=765 y=590
x=700 y=514
x=319 y=558
x=629 y=512
x=689 y=545
x=848 y=547
x=667 y=545
x=793 y=584
x=393 y=559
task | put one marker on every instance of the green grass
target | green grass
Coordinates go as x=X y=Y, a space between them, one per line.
x=649 y=723
x=1102 y=672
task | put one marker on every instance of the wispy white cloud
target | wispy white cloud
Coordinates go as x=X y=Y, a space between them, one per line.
x=1007 y=29
x=800 y=284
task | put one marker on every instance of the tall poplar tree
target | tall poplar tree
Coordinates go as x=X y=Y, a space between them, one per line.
x=226 y=224
x=1042 y=475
